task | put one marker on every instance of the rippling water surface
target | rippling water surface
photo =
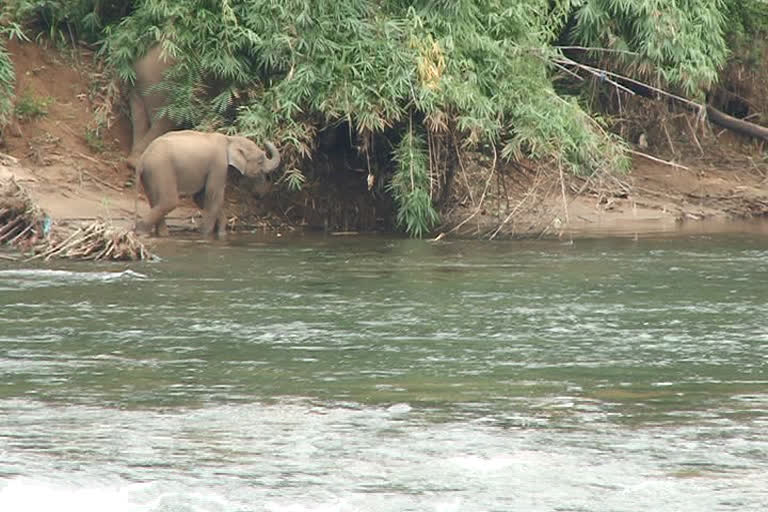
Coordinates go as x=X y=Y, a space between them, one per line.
x=380 y=374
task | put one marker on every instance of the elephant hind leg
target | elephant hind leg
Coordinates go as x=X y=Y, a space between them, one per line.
x=161 y=203
x=156 y=216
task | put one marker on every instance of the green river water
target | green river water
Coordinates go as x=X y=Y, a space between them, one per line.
x=371 y=373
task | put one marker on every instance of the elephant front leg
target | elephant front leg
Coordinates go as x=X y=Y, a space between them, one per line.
x=213 y=221
x=207 y=224
x=201 y=201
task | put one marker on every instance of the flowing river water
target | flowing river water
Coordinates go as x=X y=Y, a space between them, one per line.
x=383 y=374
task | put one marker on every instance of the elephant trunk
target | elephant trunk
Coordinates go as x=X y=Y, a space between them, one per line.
x=274 y=157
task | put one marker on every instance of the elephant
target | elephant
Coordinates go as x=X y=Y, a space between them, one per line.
x=145 y=100
x=192 y=163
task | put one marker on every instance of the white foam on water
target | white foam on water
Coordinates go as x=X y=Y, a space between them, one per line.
x=41 y=278
x=23 y=494
x=337 y=506
x=291 y=457
x=71 y=275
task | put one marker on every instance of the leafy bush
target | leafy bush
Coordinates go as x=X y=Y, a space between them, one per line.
x=8 y=29
x=746 y=19
x=32 y=106
x=7 y=79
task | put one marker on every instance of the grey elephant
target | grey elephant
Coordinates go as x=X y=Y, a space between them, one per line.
x=191 y=163
x=145 y=100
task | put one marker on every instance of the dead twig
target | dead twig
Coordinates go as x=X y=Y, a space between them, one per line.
x=517 y=207
x=463 y=169
x=482 y=197
x=99 y=180
x=562 y=191
x=6 y=158
x=659 y=160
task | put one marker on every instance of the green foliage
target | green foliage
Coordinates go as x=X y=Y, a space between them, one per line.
x=747 y=30
x=746 y=19
x=8 y=29
x=680 y=42
x=7 y=80
x=94 y=139
x=68 y=21
x=31 y=106
x=294 y=178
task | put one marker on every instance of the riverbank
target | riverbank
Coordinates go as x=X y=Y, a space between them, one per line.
x=73 y=168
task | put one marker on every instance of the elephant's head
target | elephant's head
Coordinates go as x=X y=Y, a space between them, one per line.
x=245 y=156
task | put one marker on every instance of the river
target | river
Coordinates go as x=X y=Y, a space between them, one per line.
x=372 y=373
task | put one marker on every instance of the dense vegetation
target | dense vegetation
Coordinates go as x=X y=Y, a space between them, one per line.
x=419 y=81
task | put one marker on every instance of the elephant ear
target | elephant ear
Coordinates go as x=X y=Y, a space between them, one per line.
x=241 y=155
x=237 y=156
